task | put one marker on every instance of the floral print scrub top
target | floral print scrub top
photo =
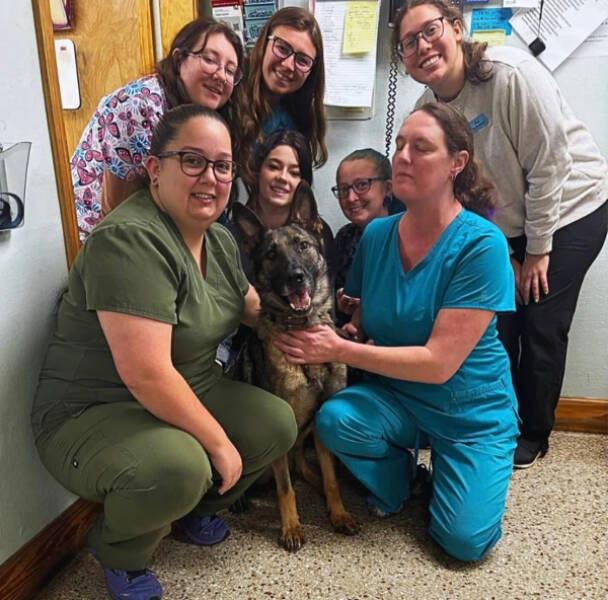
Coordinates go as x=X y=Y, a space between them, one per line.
x=117 y=138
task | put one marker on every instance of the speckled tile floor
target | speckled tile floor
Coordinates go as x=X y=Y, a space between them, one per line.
x=554 y=547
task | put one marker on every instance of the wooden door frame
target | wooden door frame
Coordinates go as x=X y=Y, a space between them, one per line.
x=59 y=144
x=52 y=99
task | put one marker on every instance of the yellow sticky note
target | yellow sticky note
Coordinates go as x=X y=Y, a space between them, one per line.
x=494 y=37
x=359 y=27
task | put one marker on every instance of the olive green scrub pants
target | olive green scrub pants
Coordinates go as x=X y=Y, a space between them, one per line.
x=148 y=473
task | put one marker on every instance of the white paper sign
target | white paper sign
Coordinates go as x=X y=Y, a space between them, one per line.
x=520 y=3
x=565 y=25
x=595 y=45
x=349 y=79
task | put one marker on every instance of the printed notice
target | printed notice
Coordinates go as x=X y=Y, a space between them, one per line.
x=595 y=45
x=565 y=25
x=349 y=78
x=521 y=3
x=491 y=18
x=359 y=27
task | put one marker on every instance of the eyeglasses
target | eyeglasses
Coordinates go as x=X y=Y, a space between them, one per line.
x=359 y=186
x=210 y=65
x=432 y=31
x=283 y=50
x=195 y=164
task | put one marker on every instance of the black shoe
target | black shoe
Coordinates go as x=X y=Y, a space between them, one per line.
x=528 y=451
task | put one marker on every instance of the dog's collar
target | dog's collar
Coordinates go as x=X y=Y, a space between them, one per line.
x=287 y=321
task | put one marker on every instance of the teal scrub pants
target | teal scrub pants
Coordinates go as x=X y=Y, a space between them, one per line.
x=370 y=428
x=148 y=473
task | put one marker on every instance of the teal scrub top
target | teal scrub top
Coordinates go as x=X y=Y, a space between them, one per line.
x=467 y=267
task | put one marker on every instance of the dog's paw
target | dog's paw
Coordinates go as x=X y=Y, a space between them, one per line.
x=291 y=538
x=345 y=523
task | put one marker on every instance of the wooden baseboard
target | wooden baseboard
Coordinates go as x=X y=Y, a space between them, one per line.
x=589 y=415
x=22 y=575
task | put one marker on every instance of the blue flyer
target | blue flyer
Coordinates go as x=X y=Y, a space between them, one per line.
x=491 y=18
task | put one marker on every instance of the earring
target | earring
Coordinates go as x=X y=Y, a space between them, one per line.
x=155 y=181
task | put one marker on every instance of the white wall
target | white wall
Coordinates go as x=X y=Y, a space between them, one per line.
x=32 y=273
x=584 y=83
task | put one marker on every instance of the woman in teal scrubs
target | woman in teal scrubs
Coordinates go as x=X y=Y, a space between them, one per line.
x=431 y=281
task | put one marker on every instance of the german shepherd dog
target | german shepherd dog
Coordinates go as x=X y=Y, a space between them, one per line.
x=292 y=282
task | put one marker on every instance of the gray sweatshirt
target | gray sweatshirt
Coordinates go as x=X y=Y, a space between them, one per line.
x=548 y=170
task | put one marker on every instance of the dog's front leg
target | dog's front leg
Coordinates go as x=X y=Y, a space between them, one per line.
x=342 y=521
x=291 y=536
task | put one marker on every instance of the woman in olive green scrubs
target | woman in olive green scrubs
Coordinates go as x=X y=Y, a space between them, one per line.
x=131 y=410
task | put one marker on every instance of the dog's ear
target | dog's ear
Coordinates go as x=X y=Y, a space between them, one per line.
x=249 y=225
x=304 y=210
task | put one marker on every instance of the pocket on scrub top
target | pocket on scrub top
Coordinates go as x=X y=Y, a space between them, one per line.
x=462 y=400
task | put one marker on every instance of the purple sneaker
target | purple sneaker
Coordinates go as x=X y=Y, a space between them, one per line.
x=132 y=585
x=204 y=531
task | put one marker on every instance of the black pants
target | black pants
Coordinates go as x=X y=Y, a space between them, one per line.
x=536 y=335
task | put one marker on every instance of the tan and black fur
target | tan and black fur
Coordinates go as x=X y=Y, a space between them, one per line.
x=291 y=279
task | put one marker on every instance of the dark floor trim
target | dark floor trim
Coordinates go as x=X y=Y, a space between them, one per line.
x=22 y=575
x=589 y=415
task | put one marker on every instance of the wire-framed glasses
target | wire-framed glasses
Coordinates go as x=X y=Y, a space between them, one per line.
x=210 y=65
x=431 y=32
x=195 y=164
x=359 y=186
x=282 y=49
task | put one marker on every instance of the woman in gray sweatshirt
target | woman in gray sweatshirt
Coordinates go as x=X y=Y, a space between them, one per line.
x=553 y=186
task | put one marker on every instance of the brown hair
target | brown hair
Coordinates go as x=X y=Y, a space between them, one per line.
x=305 y=106
x=167 y=70
x=472 y=188
x=167 y=129
x=476 y=68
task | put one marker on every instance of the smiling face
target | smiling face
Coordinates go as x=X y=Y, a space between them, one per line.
x=438 y=64
x=193 y=202
x=279 y=177
x=209 y=89
x=281 y=75
x=422 y=166
x=361 y=208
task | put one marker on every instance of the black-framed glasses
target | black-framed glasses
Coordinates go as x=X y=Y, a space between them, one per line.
x=195 y=164
x=282 y=49
x=360 y=186
x=432 y=31
x=210 y=65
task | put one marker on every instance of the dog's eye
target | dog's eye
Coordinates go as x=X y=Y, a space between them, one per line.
x=271 y=253
x=304 y=246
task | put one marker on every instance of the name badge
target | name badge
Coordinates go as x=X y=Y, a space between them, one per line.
x=478 y=122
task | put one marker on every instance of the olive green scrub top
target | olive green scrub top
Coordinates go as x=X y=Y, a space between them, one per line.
x=135 y=262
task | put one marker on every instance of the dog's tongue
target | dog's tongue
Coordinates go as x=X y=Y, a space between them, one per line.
x=299 y=300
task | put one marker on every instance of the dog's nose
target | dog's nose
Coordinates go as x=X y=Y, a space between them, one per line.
x=298 y=276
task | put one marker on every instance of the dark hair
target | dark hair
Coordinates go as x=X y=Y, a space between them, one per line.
x=382 y=165
x=167 y=70
x=170 y=123
x=472 y=188
x=305 y=105
x=476 y=68
x=293 y=139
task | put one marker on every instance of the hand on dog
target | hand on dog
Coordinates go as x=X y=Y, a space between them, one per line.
x=227 y=462
x=318 y=344
x=346 y=304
